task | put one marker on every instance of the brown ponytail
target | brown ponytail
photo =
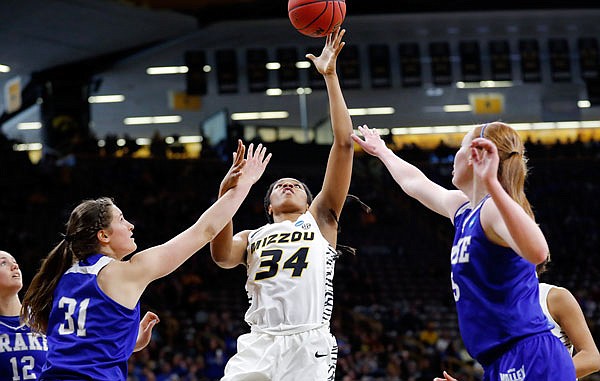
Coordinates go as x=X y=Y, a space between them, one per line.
x=512 y=169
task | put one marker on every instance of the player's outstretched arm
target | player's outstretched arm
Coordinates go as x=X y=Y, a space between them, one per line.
x=411 y=179
x=161 y=260
x=336 y=183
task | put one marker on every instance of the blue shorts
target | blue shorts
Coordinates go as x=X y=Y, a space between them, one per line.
x=540 y=357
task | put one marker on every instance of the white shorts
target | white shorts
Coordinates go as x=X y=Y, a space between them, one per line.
x=310 y=355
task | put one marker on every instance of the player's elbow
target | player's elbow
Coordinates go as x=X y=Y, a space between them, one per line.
x=222 y=259
x=538 y=256
x=224 y=264
x=345 y=142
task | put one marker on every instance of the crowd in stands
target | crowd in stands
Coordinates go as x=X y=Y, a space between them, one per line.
x=394 y=316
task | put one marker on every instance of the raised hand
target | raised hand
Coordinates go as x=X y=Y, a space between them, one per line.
x=484 y=155
x=372 y=143
x=256 y=162
x=447 y=377
x=325 y=63
x=148 y=322
x=235 y=171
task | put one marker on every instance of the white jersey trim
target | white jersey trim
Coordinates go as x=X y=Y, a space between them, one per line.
x=544 y=289
x=93 y=269
x=12 y=327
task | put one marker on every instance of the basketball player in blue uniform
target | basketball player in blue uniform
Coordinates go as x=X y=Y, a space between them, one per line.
x=86 y=297
x=22 y=352
x=290 y=261
x=564 y=313
x=497 y=245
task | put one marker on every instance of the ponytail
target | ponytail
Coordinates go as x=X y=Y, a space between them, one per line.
x=37 y=302
x=512 y=169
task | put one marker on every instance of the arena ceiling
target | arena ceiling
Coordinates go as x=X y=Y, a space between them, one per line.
x=39 y=38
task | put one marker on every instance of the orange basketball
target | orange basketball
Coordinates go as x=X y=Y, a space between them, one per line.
x=316 y=18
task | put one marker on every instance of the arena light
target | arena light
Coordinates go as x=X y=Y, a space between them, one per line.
x=303 y=90
x=483 y=84
x=303 y=64
x=161 y=70
x=590 y=124
x=568 y=125
x=106 y=98
x=166 y=119
x=190 y=139
x=543 y=126
x=445 y=129
x=27 y=147
x=259 y=115
x=276 y=91
x=463 y=128
x=4 y=68
x=273 y=65
x=521 y=126
x=584 y=104
x=371 y=111
x=458 y=108
x=29 y=126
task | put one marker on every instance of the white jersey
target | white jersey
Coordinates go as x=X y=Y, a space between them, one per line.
x=557 y=330
x=290 y=277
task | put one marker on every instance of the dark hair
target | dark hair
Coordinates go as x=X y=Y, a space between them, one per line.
x=543 y=267
x=79 y=242
x=267 y=200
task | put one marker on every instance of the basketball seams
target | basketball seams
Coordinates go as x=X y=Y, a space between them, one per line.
x=316 y=18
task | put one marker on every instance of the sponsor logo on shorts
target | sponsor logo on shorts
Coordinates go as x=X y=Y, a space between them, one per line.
x=513 y=374
x=317 y=354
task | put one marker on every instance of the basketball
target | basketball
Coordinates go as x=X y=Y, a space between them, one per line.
x=316 y=18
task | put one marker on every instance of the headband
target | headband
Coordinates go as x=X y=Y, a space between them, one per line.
x=482 y=130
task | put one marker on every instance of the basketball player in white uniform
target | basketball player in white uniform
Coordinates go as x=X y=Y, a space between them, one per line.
x=563 y=311
x=290 y=261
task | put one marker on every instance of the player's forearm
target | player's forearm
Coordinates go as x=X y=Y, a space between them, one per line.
x=402 y=171
x=221 y=245
x=340 y=117
x=526 y=234
x=586 y=363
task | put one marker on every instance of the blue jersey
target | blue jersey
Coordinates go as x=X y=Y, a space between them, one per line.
x=495 y=289
x=90 y=336
x=22 y=352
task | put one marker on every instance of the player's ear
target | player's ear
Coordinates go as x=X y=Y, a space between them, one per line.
x=102 y=236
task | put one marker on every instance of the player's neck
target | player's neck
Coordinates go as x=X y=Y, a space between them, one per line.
x=10 y=305
x=286 y=216
x=478 y=192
